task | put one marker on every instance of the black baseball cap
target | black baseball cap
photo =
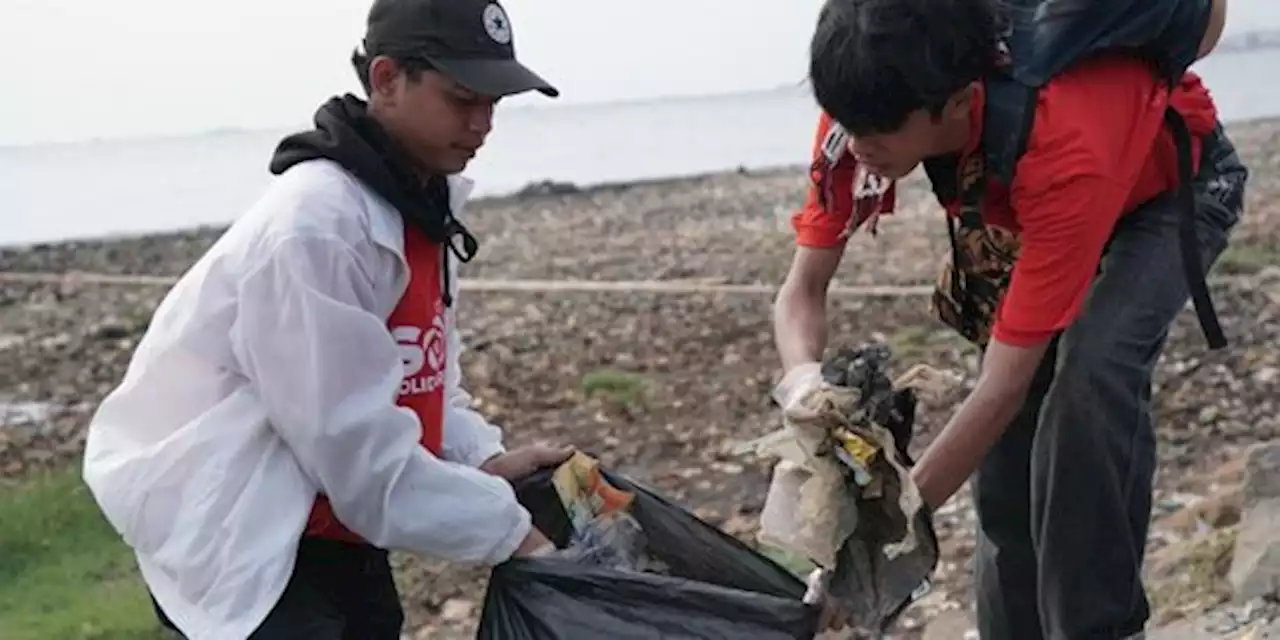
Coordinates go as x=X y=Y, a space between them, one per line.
x=468 y=40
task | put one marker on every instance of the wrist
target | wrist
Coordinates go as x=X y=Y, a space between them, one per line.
x=796 y=382
x=485 y=452
x=492 y=465
x=920 y=478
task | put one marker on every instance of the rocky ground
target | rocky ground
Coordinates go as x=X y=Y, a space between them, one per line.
x=662 y=386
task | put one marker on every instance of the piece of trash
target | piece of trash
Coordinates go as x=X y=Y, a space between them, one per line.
x=842 y=494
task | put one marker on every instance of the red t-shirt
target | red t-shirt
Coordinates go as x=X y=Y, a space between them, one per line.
x=418 y=326
x=1098 y=148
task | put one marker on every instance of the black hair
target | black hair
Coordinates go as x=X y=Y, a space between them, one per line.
x=873 y=62
x=412 y=66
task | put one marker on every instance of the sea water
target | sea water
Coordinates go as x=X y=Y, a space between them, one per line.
x=96 y=188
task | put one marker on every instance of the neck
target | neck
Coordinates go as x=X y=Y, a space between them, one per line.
x=956 y=121
x=955 y=134
x=393 y=135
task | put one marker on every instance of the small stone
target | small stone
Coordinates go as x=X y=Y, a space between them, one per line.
x=111 y=329
x=739 y=525
x=1269 y=274
x=56 y=341
x=456 y=609
x=1208 y=414
x=1217 y=511
x=950 y=625
x=730 y=468
x=1262 y=472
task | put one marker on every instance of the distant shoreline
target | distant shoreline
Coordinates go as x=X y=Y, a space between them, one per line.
x=305 y=121
x=552 y=188
x=532 y=190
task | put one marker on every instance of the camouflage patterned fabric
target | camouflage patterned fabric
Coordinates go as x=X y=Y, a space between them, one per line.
x=977 y=275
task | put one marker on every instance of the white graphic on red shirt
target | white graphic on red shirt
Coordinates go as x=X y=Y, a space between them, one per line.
x=422 y=353
x=869 y=191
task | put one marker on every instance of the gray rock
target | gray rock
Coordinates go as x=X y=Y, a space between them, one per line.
x=1262 y=473
x=1254 y=620
x=1255 y=566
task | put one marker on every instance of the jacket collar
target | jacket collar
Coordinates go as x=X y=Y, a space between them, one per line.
x=388 y=225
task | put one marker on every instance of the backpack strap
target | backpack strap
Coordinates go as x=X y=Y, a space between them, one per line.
x=1007 y=118
x=1192 y=268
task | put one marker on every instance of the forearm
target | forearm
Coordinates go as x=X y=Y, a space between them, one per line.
x=800 y=327
x=408 y=499
x=965 y=441
x=1007 y=373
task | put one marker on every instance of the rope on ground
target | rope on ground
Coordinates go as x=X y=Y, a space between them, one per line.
x=498 y=285
x=538 y=286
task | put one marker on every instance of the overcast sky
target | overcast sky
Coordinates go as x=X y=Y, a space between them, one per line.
x=77 y=69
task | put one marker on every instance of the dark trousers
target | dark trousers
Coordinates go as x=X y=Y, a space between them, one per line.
x=1064 y=498
x=338 y=591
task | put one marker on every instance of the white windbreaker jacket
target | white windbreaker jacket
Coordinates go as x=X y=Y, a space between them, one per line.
x=267 y=372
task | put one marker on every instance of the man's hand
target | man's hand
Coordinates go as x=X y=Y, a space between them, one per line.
x=1007 y=373
x=525 y=460
x=535 y=544
x=832 y=617
x=797 y=383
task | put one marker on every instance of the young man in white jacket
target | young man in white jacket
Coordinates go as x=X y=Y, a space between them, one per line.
x=295 y=408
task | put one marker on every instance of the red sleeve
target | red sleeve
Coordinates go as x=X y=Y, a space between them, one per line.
x=1063 y=234
x=824 y=223
x=1092 y=138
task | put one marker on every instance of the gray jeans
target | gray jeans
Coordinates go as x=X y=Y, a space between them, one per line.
x=1064 y=498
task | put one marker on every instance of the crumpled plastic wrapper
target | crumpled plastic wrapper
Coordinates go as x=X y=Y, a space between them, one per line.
x=603 y=531
x=841 y=493
x=613 y=541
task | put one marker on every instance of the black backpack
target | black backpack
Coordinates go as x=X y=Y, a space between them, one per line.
x=1044 y=37
x=1041 y=39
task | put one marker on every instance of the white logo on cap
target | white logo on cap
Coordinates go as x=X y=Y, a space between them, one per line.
x=496 y=24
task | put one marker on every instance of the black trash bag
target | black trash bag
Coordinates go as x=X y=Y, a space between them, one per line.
x=717 y=587
x=870 y=585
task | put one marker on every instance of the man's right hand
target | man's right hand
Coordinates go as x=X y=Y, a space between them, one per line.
x=797 y=383
x=534 y=544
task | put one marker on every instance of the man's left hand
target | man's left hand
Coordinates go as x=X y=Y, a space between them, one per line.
x=833 y=617
x=521 y=462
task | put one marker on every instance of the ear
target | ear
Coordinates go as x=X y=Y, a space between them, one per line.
x=960 y=102
x=385 y=77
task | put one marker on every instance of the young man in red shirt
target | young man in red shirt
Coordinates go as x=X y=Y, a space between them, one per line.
x=1058 y=428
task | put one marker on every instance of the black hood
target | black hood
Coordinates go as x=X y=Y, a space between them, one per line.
x=346 y=134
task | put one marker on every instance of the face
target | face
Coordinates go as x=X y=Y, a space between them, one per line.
x=440 y=123
x=895 y=154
